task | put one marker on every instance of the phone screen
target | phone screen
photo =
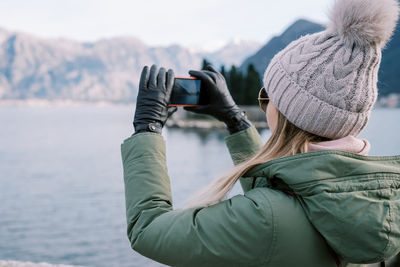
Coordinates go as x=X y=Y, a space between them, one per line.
x=186 y=92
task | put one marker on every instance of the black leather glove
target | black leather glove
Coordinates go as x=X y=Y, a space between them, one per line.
x=152 y=109
x=220 y=102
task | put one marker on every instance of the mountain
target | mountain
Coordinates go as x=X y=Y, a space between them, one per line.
x=107 y=70
x=263 y=56
x=388 y=76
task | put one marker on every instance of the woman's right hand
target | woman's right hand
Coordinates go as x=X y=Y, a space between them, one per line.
x=220 y=103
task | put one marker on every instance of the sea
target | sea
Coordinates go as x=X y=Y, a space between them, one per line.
x=61 y=180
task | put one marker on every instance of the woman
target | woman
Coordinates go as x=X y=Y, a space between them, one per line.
x=312 y=196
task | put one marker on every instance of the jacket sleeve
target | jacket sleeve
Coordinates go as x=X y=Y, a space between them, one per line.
x=242 y=145
x=236 y=231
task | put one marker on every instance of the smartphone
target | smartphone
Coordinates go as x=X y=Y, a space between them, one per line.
x=187 y=92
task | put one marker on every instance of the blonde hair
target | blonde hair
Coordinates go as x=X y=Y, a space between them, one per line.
x=285 y=140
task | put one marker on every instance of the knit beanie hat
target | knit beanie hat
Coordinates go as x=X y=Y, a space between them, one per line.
x=326 y=83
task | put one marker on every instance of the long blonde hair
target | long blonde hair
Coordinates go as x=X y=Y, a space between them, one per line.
x=285 y=140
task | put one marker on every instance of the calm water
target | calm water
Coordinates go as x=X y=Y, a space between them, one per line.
x=61 y=185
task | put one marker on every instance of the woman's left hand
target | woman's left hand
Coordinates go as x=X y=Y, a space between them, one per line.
x=152 y=109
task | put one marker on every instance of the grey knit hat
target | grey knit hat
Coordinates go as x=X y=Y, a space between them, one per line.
x=326 y=83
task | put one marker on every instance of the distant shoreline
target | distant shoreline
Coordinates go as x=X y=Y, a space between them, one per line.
x=75 y=103
x=10 y=263
x=208 y=124
x=183 y=121
x=59 y=103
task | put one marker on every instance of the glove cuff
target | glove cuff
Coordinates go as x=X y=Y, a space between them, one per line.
x=154 y=127
x=238 y=122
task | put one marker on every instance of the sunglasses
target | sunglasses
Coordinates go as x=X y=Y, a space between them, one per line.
x=263 y=99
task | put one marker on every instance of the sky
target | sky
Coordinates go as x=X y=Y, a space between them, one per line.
x=204 y=24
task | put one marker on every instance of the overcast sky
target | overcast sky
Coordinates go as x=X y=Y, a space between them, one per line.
x=204 y=23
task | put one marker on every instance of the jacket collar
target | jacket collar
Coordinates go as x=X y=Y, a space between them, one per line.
x=322 y=165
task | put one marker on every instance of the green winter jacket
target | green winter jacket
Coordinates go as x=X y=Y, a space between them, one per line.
x=295 y=210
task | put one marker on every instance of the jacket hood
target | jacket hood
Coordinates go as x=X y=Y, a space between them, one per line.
x=352 y=200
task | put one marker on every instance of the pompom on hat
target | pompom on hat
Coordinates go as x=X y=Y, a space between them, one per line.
x=326 y=83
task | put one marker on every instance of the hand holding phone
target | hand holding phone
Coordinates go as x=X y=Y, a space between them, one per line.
x=219 y=102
